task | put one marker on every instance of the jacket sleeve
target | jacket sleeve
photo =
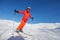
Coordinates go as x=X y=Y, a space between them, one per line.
x=21 y=12
x=30 y=16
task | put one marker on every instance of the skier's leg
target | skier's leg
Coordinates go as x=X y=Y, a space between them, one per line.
x=21 y=25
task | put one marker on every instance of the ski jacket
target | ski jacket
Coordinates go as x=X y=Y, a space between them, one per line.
x=26 y=15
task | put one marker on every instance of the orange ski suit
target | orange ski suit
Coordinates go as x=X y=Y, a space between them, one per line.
x=24 y=19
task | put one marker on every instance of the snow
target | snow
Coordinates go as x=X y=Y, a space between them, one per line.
x=40 y=31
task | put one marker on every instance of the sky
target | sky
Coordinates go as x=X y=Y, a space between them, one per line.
x=43 y=11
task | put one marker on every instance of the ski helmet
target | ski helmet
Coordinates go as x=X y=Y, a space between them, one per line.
x=29 y=7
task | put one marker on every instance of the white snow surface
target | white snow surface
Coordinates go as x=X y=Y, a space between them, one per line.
x=39 y=31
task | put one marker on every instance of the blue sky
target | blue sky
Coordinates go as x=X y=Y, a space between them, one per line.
x=43 y=11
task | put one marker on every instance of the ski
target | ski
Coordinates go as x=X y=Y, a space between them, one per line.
x=26 y=33
x=20 y=33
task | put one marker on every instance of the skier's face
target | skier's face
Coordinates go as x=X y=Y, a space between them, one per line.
x=28 y=10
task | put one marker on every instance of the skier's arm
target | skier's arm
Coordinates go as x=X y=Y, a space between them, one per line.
x=20 y=12
x=31 y=17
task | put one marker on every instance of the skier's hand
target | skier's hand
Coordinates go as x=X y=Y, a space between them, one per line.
x=32 y=18
x=15 y=11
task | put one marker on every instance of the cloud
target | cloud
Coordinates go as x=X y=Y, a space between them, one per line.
x=11 y=23
x=47 y=25
x=7 y=26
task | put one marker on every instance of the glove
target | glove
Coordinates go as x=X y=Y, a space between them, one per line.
x=32 y=18
x=16 y=11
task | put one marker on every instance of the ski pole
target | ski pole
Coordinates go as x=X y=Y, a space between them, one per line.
x=31 y=26
x=13 y=22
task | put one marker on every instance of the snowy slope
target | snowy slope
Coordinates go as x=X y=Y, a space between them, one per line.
x=40 y=31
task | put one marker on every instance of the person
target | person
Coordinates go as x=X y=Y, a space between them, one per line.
x=26 y=14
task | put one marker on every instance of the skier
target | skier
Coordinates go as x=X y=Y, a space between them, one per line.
x=26 y=14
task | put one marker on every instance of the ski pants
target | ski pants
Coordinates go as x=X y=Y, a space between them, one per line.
x=21 y=25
